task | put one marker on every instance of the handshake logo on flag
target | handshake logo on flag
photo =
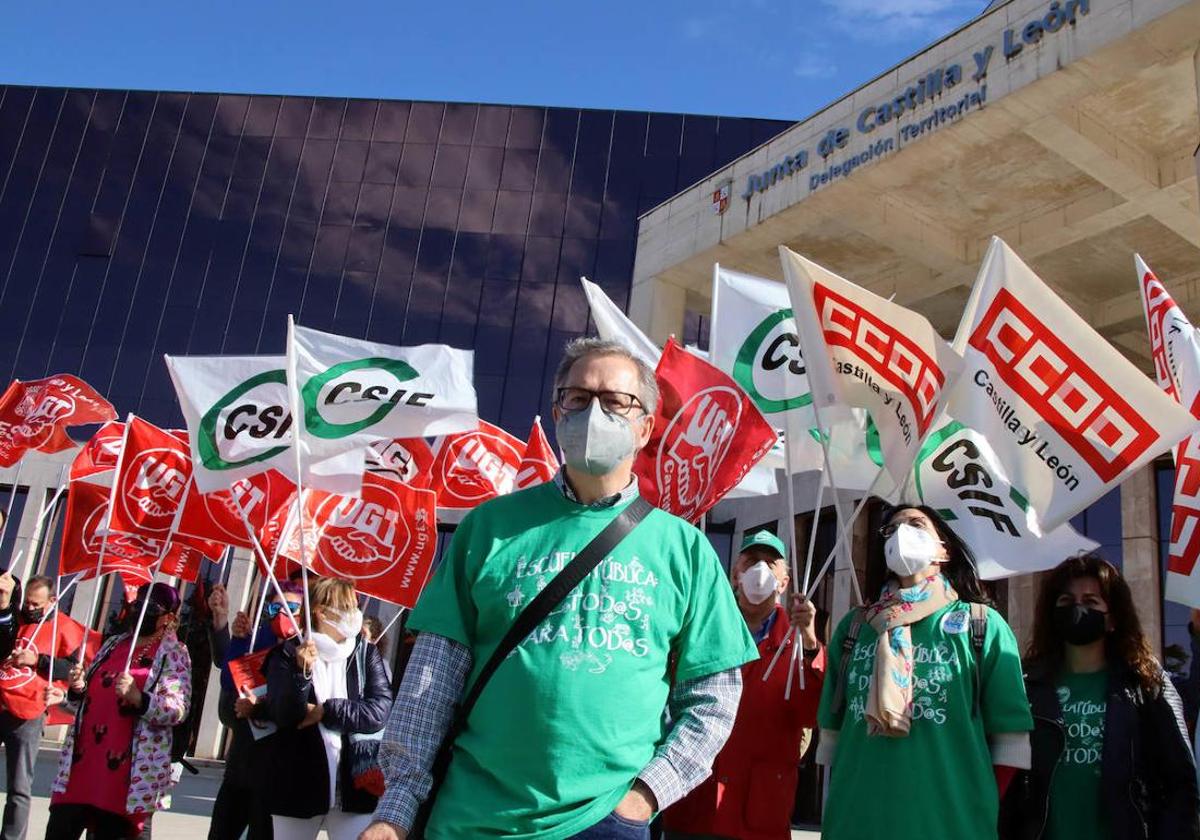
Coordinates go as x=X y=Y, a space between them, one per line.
x=39 y=416
x=158 y=485
x=695 y=445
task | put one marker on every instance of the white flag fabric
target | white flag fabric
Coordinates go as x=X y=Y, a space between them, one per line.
x=866 y=352
x=755 y=340
x=238 y=417
x=614 y=325
x=350 y=392
x=1067 y=415
x=958 y=474
x=1175 y=346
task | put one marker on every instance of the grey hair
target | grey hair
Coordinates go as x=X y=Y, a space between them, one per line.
x=578 y=348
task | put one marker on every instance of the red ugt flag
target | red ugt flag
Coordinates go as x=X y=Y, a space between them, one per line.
x=34 y=415
x=539 y=464
x=215 y=517
x=707 y=435
x=472 y=467
x=151 y=482
x=384 y=541
x=101 y=452
x=86 y=520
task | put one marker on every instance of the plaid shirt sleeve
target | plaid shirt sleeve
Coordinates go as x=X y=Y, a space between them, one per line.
x=702 y=713
x=419 y=720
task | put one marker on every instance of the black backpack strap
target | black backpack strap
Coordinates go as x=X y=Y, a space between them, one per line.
x=848 y=643
x=979 y=620
x=552 y=596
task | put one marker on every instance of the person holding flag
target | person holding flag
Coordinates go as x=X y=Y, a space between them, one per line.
x=239 y=805
x=598 y=597
x=1111 y=754
x=926 y=697
x=115 y=766
x=30 y=639
x=752 y=790
x=328 y=696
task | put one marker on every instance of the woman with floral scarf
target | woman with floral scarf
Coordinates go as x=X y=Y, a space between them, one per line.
x=923 y=716
x=115 y=766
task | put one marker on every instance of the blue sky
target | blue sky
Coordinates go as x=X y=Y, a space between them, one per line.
x=765 y=58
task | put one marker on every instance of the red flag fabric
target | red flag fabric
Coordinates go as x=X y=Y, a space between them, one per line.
x=23 y=688
x=151 y=482
x=539 y=464
x=405 y=459
x=707 y=435
x=101 y=452
x=35 y=415
x=384 y=541
x=182 y=561
x=472 y=467
x=86 y=517
x=214 y=516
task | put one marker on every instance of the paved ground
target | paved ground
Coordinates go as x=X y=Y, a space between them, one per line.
x=188 y=817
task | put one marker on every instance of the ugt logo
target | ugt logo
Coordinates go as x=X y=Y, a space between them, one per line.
x=693 y=447
x=249 y=424
x=118 y=547
x=770 y=367
x=891 y=355
x=15 y=676
x=353 y=396
x=154 y=486
x=1086 y=412
x=479 y=466
x=362 y=538
x=40 y=412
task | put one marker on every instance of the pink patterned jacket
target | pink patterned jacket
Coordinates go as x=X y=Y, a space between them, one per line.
x=169 y=687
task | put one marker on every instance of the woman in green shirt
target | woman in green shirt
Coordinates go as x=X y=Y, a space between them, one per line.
x=926 y=713
x=1111 y=756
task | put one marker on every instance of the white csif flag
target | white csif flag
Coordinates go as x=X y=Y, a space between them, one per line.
x=863 y=351
x=958 y=474
x=349 y=393
x=614 y=325
x=238 y=416
x=1067 y=416
x=1175 y=346
x=755 y=340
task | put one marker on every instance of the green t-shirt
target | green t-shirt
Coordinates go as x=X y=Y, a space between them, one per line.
x=569 y=720
x=1076 y=782
x=938 y=781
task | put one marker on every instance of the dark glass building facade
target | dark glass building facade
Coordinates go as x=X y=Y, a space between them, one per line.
x=134 y=224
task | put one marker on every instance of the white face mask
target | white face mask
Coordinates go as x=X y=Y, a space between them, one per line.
x=910 y=550
x=348 y=624
x=758 y=582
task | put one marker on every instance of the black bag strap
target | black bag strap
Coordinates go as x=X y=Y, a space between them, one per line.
x=979 y=619
x=848 y=644
x=549 y=598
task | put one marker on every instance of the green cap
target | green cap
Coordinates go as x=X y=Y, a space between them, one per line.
x=764 y=538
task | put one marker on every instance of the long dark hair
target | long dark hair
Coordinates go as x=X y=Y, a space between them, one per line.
x=1125 y=645
x=960 y=568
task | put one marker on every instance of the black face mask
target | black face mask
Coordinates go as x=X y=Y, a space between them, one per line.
x=32 y=615
x=1079 y=625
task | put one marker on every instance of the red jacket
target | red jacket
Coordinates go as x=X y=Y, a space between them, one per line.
x=752 y=790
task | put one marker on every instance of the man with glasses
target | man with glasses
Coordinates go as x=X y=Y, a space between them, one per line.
x=238 y=807
x=568 y=739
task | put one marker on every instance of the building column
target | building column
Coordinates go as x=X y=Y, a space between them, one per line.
x=658 y=308
x=1139 y=550
x=239 y=586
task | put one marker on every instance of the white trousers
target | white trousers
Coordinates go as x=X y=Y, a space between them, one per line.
x=338 y=825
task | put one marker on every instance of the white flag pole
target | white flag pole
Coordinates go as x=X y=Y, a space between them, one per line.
x=12 y=497
x=36 y=560
x=262 y=602
x=862 y=503
x=162 y=553
x=269 y=570
x=99 y=585
x=297 y=431
x=58 y=593
x=392 y=622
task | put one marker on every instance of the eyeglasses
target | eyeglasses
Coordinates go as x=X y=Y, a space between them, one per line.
x=891 y=528
x=611 y=402
x=275 y=608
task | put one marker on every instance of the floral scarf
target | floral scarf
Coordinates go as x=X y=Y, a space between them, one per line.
x=890 y=702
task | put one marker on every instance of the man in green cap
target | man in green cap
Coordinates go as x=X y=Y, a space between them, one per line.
x=750 y=793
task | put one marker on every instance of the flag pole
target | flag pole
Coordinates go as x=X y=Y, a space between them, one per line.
x=48 y=537
x=95 y=598
x=162 y=553
x=262 y=602
x=297 y=427
x=12 y=497
x=58 y=593
x=850 y=522
x=269 y=571
x=391 y=623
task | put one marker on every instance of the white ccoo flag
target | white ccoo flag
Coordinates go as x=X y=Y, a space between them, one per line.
x=1067 y=416
x=866 y=352
x=1175 y=347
